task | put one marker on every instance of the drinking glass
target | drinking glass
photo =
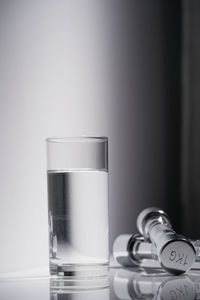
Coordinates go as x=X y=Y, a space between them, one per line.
x=77 y=179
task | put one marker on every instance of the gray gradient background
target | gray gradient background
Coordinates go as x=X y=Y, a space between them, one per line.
x=91 y=67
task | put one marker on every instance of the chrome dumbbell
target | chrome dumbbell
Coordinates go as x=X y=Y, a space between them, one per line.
x=175 y=253
x=133 y=250
x=130 y=250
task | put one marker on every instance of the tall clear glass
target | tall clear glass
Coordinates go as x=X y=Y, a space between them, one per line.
x=77 y=176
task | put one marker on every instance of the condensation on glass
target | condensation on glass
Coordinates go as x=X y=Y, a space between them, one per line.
x=77 y=176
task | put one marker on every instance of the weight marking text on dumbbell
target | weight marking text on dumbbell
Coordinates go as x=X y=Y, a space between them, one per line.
x=180 y=258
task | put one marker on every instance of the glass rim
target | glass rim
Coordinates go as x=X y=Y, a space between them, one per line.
x=76 y=139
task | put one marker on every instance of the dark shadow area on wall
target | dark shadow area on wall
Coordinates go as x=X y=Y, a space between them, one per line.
x=190 y=188
x=146 y=58
x=172 y=52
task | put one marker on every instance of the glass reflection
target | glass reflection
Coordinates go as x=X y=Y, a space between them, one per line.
x=53 y=289
x=86 y=294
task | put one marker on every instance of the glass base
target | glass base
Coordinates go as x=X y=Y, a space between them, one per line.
x=62 y=285
x=73 y=277
x=79 y=271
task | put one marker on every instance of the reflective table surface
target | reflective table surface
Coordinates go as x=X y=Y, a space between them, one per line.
x=121 y=284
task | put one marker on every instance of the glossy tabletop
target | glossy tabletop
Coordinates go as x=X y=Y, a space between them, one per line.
x=122 y=284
